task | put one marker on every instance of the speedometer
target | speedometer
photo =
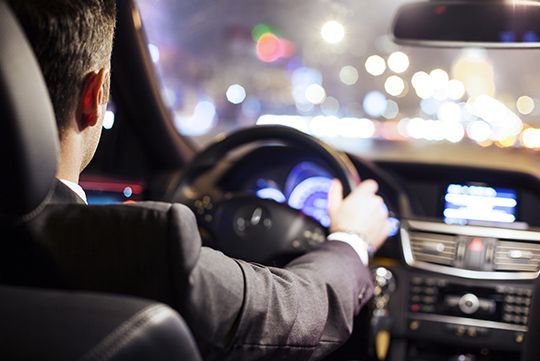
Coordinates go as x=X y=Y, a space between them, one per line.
x=311 y=197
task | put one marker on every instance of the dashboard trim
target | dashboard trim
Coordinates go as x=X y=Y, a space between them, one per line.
x=474 y=231
x=469 y=322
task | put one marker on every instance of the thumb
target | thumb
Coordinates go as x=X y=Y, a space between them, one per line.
x=335 y=196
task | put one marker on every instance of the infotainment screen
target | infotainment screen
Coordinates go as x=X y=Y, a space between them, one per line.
x=464 y=204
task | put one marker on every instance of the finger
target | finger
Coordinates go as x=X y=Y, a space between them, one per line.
x=335 y=196
x=369 y=186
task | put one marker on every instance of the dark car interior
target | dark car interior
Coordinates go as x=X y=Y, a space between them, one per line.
x=455 y=280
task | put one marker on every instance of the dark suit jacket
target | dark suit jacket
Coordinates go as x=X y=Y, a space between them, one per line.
x=236 y=310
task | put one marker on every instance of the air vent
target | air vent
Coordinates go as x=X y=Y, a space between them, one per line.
x=433 y=247
x=517 y=256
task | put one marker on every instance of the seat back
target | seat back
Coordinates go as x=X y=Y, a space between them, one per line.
x=51 y=325
x=40 y=324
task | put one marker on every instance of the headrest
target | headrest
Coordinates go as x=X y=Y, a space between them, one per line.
x=28 y=134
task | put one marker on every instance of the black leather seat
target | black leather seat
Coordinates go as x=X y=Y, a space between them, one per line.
x=40 y=324
x=57 y=326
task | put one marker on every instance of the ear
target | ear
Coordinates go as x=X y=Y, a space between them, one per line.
x=93 y=96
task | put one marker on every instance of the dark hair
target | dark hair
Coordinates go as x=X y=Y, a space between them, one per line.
x=70 y=39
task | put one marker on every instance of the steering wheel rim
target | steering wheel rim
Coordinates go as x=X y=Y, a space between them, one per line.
x=339 y=164
x=237 y=218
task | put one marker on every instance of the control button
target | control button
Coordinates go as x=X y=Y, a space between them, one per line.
x=415 y=299
x=471 y=332
x=414 y=325
x=519 y=338
x=417 y=281
x=430 y=290
x=417 y=289
x=428 y=309
x=469 y=303
x=429 y=299
x=509 y=308
x=415 y=308
x=452 y=301
x=509 y=299
x=508 y=318
x=431 y=281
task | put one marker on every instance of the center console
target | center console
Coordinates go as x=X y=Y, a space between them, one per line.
x=465 y=294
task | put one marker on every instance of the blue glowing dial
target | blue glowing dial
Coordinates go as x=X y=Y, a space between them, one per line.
x=311 y=197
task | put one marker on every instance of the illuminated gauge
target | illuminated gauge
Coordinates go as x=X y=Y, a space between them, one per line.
x=271 y=193
x=311 y=197
x=268 y=189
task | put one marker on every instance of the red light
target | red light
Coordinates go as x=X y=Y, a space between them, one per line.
x=476 y=245
x=268 y=48
x=441 y=9
x=271 y=48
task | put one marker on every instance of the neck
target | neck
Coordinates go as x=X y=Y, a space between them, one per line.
x=70 y=162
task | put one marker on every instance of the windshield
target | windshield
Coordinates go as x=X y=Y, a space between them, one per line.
x=330 y=68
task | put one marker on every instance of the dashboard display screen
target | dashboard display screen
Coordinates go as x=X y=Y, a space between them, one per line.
x=465 y=204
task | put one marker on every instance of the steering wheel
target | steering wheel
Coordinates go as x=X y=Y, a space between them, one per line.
x=245 y=226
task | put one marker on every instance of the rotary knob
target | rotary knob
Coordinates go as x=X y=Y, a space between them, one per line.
x=469 y=303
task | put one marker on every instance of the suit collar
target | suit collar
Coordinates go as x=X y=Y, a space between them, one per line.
x=63 y=194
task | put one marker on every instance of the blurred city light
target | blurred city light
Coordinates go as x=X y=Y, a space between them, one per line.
x=375 y=65
x=315 y=94
x=324 y=126
x=259 y=30
x=503 y=121
x=356 y=128
x=333 y=32
x=108 y=120
x=455 y=90
x=525 y=105
x=530 y=138
x=330 y=106
x=430 y=106
x=236 y=94
x=374 y=103
x=479 y=131
x=348 y=75
x=398 y=62
x=270 y=48
x=449 y=112
x=392 y=110
x=476 y=73
x=200 y=122
x=423 y=85
x=394 y=85
x=321 y=126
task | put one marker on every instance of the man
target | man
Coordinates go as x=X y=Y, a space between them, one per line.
x=236 y=310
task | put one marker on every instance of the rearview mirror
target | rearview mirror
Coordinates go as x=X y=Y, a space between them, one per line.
x=491 y=24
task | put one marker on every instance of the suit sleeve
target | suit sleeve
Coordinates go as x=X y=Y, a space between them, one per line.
x=243 y=311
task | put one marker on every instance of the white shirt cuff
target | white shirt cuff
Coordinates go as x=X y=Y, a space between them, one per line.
x=360 y=246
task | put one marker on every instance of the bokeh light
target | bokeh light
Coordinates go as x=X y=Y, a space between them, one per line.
x=348 y=75
x=398 y=62
x=374 y=103
x=333 y=32
x=530 y=138
x=200 y=122
x=375 y=65
x=394 y=85
x=525 y=105
x=315 y=94
x=236 y=94
x=392 y=110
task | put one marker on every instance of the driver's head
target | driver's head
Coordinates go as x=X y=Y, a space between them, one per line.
x=72 y=40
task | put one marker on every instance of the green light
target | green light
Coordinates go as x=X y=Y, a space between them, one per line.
x=259 y=30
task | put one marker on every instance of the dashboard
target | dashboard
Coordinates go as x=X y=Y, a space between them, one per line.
x=458 y=270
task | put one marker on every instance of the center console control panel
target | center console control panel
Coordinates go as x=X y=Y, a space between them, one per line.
x=476 y=313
